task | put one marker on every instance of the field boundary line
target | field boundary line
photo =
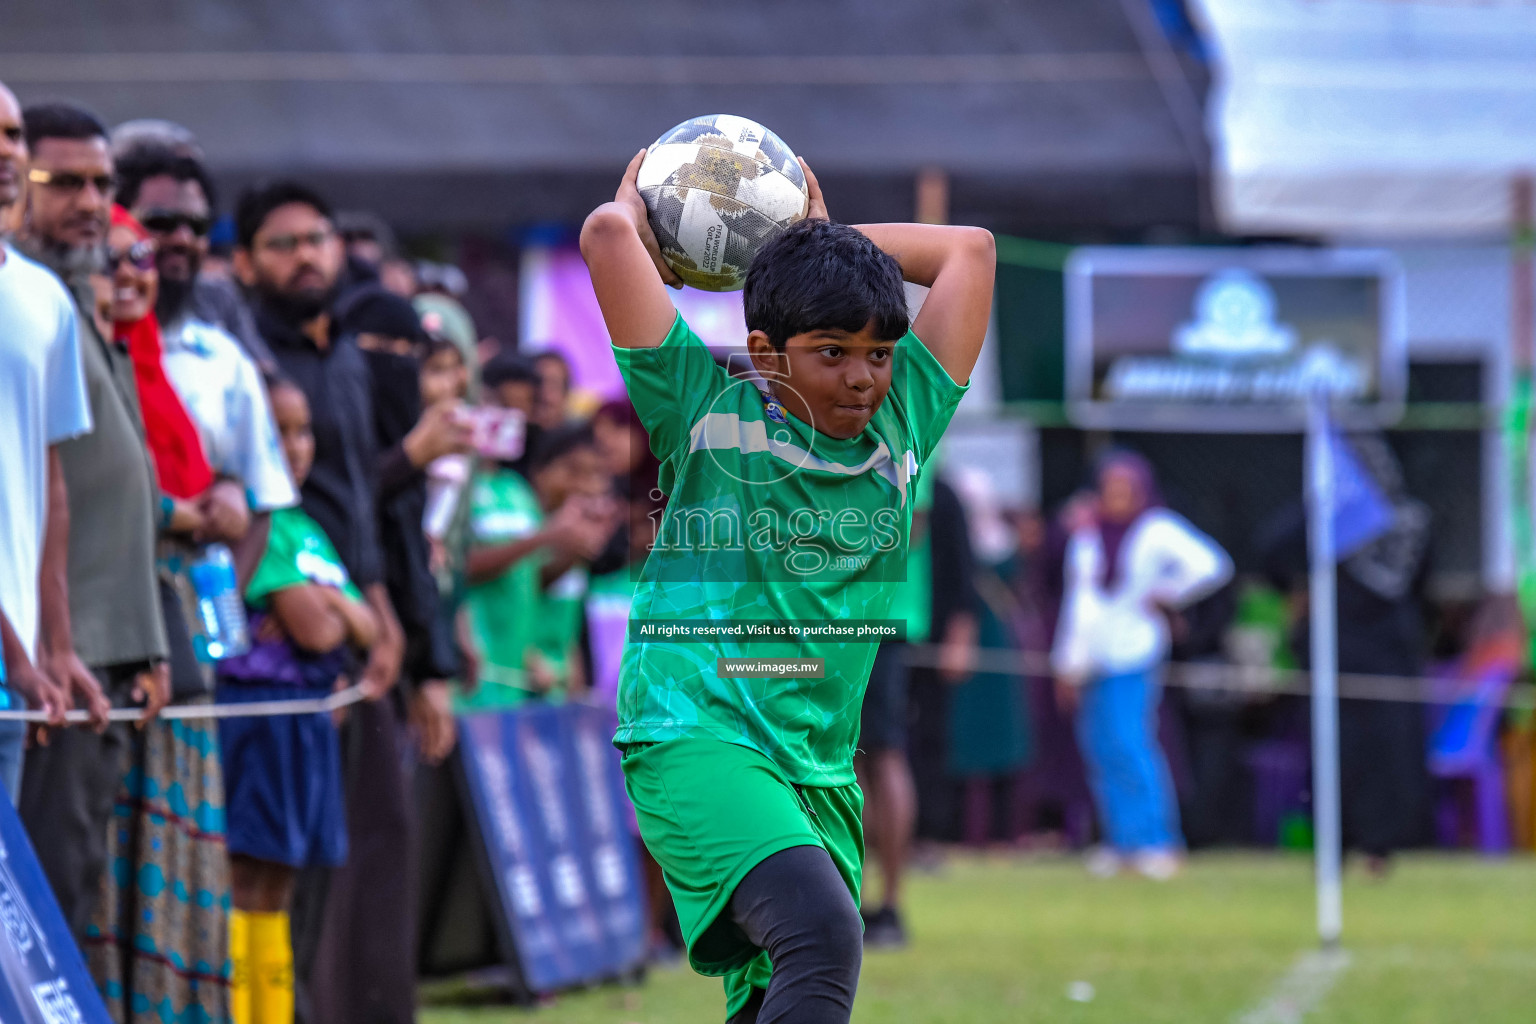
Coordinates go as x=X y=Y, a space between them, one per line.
x=1302 y=988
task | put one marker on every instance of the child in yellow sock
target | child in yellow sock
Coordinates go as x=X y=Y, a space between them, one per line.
x=239 y=958
x=282 y=775
x=271 y=963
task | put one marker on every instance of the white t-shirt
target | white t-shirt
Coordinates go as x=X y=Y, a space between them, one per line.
x=1115 y=628
x=224 y=396
x=42 y=402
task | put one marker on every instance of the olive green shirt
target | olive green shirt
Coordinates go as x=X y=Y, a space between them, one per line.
x=114 y=596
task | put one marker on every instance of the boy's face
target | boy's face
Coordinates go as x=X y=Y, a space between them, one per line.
x=290 y=410
x=553 y=387
x=830 y=379
x=577 y=472
x=443 y=377
x=517 y=394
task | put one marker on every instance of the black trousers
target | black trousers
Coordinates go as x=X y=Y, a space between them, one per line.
x=361 y=950
x=67 y=791
x=1384 y=783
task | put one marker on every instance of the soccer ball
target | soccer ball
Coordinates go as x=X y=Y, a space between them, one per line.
x=718 y=188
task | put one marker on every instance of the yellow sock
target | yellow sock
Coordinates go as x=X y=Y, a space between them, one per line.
x=271 y=969
x=240 y=958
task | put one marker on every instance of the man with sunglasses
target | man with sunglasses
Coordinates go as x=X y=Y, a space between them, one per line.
x=172 y=195
x=102 y=629
x=216 y=375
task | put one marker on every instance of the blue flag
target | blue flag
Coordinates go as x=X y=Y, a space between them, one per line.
x=1361 y=513
x=43 y=979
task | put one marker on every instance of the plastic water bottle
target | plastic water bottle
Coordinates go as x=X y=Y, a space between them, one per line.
x=225 y=632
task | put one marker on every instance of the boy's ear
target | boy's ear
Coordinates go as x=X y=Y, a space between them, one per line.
x=767 y=360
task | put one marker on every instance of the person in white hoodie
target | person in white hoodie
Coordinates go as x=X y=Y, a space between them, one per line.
x=1130 y=564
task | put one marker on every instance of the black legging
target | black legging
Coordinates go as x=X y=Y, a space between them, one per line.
x=796 y=906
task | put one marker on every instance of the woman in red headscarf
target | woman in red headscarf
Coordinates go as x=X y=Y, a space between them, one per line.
x=160 y=951
x=180 y=465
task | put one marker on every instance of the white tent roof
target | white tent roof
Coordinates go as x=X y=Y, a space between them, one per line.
x=1383 y=118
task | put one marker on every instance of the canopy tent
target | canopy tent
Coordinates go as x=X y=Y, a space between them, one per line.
x=1365 y=118
x=1048 y=117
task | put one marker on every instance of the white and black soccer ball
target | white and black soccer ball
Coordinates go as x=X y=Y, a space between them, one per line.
x=718 y=188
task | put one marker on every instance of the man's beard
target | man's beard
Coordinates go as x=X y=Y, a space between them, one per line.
x=298 y=308
x=172 y=298
x=71 y=262
x=175 y=293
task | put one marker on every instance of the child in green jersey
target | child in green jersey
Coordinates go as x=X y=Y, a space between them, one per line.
x=529 y=542
x=567 y=470
x=283 y=774
x=790 y=501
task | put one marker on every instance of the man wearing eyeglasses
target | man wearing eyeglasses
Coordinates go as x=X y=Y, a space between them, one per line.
x=102 y=629
x=171 y=194
x=360 y=965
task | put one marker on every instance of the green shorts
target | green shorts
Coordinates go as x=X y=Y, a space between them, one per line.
x=711 y=811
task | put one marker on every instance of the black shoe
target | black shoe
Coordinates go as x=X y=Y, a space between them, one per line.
x=883 y=930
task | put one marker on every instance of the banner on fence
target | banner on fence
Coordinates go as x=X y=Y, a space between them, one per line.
x=43 y=979
x=546 y=793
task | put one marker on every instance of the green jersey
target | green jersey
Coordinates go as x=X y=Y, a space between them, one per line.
x=914 y=601
x=298 y=554
x=558 y=630
x=503 y=612
x=770 y=520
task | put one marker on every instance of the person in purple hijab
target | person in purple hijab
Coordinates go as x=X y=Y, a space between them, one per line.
x=1129 y=563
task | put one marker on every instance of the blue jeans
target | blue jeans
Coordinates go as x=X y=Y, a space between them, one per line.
x=1117 y=733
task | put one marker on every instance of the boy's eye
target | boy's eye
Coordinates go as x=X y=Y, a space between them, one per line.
x=832 y=351
x=881 y=353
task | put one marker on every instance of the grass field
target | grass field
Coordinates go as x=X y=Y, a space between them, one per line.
x=1442 y=941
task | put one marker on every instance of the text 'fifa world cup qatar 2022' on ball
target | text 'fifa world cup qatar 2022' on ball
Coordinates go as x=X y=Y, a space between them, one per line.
x=718 y=188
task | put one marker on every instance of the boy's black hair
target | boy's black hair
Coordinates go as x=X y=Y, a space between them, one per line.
x=154 y=160
x=273 y=379
x=818 y=275
x=257 y=203
x=508 y=366
x=60 y=121
x=559 y=442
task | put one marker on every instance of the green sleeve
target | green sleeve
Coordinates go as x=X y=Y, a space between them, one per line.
x=926 y=393
x=278 y=568
x=502 y=507
x=482 y=502
x=672 y=386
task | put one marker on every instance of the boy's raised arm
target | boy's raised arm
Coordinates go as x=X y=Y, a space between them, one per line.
x=628 y=273
x=957 y=264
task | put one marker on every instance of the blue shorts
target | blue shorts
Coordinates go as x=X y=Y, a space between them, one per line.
x=282 y=781
x=883 y=718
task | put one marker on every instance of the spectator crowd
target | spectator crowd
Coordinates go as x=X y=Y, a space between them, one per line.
x=286 y=466
x=275 y=470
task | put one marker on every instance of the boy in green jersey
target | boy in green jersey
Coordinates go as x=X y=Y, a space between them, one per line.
x=530 y=542
x=790 y=500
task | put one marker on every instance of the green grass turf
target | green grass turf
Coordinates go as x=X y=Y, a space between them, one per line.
x=1444 y=940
